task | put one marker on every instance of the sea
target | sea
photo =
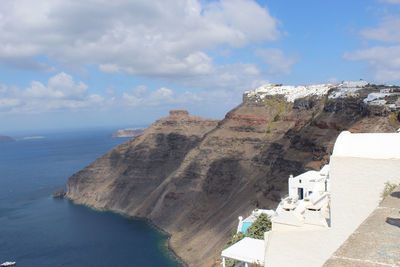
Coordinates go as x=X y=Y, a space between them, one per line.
x=38 y=230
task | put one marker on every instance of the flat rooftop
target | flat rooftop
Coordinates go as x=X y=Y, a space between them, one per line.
x=246 y=250
x=376 y=242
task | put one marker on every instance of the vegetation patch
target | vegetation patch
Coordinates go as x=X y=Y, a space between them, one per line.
x=256 y=230
x=389 y=187
x=394 y=119
x=280 y=105
x=259 y=227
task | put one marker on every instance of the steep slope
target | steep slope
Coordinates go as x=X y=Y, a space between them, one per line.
x=127 y=174
x=194 y=179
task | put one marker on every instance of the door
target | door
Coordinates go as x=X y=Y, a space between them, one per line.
x=300 y=192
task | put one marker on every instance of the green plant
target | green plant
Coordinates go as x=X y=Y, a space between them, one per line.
x=393 y=119
x=259 y=227
x=389 y=187
x=230 y=263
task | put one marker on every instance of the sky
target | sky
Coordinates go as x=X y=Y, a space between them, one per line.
x=122 y=63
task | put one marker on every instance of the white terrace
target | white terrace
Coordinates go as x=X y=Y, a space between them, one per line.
x=307 y=206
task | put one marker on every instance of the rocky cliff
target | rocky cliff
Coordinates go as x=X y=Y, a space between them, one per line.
x=193 y=177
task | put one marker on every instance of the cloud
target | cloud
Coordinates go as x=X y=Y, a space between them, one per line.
x=384 y=62
x=8 y=103
x=162 y=97
x=150 y=38
x=234 y=78
x=60 y=93
x=140 y=90
x=276 y=61
x=388 y=31
x=383 y=59
x=390 y=1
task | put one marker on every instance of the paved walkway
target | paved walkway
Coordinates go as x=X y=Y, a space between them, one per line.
x=376 y=242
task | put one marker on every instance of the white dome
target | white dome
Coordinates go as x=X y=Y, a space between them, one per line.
x=367 y=145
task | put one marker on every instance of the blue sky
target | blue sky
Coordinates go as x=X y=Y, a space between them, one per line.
x=77 y=64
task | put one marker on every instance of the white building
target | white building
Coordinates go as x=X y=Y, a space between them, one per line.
x=307 y=206
x=324 y=208
x=359 y=167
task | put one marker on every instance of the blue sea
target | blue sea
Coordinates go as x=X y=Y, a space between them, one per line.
x=37 y=230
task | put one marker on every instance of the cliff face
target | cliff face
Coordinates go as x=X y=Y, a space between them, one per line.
x=193 y=177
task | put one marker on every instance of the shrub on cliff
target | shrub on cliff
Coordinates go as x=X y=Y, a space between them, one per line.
x=259 y=227
x=256 y=230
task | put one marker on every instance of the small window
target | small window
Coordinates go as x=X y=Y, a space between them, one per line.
x=309 y=192
x=300 y=181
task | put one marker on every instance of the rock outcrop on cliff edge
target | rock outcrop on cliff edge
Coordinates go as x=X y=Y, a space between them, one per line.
x=193 y=177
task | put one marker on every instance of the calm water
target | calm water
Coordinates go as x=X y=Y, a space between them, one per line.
x=37 y=230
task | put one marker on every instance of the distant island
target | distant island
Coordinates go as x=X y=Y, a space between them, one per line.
x=128 y=132
x=32 y=137
x=6 y=139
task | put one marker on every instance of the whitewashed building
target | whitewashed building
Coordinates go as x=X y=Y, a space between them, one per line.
x=359 y=167
x=324 y=208
x=307 y=206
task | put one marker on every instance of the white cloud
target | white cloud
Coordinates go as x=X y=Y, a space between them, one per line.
x=131 y=100
x=60 y=92
x=234 y=78
x=3 y=88
x=388 y=31
x=384 y=62
x=140 y=90
x=276 y=61
x=7 y=103
x=152 y=38
x=162 y=97
x=383 y=59
x=391 y=1
x=61 y=85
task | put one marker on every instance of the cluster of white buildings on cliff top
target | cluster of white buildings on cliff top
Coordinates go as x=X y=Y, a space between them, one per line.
x=344 y=89
x=323 y=208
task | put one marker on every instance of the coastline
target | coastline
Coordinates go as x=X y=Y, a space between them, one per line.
x=169 y=249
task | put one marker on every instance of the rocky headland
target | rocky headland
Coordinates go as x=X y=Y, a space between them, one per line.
x=128 y=132
x=6 y=139
x=193 y=177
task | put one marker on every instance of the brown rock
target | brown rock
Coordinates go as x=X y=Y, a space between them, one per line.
x=179 y=112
